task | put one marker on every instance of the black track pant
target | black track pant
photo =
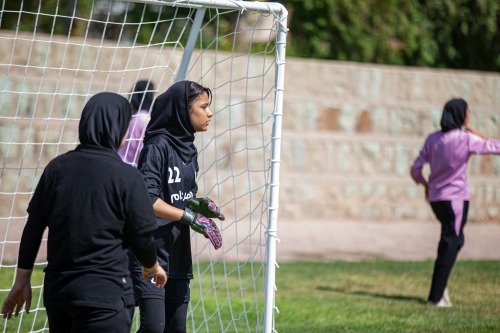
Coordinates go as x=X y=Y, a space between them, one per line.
x=453 y=216
x=81 y=319
x=160 y=317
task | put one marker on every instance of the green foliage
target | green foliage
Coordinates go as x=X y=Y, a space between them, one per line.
x=128 y=22
x=438 y=33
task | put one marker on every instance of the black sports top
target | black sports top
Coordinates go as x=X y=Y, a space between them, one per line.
x=169 y=178
x=93 y=205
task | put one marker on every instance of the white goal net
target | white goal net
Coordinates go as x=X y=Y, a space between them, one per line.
x=56 y=54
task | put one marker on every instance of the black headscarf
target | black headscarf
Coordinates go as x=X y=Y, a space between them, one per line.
x=170 y=118
x=104 y=122
x=453 y=115
x=142 y=95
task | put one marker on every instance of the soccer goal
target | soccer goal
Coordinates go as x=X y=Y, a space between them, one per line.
x=56 y=54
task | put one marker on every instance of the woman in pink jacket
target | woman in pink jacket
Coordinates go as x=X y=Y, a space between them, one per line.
x=447 y=152
x=141 y=101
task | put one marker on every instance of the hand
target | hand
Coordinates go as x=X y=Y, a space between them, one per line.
x=206 y=207
x=203 y=225
x=199 y=230
x=207 y=227
x=159 y=275
x=188 y=218
x=19 y=294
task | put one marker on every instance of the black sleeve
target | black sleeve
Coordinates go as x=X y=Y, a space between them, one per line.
x=30 y=243
x=36 y=224
x=141 y=220
x=151 y=166
x=140 y=216
x=144 y=249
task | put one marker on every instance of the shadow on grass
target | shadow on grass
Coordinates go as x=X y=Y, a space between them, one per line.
x=377 y=295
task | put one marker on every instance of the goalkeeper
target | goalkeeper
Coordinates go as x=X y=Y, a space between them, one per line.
x=168 y=163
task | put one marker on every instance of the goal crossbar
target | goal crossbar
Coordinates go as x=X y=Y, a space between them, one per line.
x=255 y=6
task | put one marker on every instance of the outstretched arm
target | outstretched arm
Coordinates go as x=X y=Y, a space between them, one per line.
x=481 y=144
x=473 y=131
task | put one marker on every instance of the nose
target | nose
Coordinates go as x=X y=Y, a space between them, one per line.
x=209 y=113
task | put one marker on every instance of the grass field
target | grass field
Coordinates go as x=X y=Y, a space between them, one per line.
x=374 y=296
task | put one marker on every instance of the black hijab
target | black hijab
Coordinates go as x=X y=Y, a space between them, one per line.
x=141 y=97
x=170 y=118
x=453 y=115
x=104 y=122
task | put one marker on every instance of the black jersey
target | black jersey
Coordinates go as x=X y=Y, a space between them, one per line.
x=94 y=205
x=169 y=178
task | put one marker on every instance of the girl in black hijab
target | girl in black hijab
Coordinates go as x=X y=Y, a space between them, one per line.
x=94 y=206
x=448 y=151
x=169 y=165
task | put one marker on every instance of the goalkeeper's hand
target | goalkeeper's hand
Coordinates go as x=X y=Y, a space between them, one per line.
x=206 y=207
x=159 y=275
x=203 y=225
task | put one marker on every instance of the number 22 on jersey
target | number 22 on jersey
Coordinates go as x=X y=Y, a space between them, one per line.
x=171 y=173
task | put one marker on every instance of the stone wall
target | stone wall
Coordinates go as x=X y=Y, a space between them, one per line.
x=350 y=131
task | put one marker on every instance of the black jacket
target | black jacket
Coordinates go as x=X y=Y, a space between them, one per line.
x=171 y=179
x=94 y=205
x=168 y=163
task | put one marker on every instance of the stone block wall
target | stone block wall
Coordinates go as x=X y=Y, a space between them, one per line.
x=350 y=131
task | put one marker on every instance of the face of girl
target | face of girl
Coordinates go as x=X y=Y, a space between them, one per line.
x=200 y=113
x=466 y=120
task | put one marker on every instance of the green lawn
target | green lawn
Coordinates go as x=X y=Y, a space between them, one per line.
x=313 y=297
x=386 y=296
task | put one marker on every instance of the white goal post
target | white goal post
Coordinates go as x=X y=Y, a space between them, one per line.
x=56 y=54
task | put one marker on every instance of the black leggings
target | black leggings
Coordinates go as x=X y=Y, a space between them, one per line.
x=453 y=217
x=156 y=316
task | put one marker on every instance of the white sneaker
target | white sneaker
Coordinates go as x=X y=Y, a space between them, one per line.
x=446 y=298
x=444 y=302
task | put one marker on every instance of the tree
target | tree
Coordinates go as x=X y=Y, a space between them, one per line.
x=437 y=33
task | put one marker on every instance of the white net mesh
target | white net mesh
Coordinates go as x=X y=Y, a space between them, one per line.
x=55 y=54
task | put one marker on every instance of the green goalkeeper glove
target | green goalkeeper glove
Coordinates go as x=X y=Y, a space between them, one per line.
x=202 y=225
x=206 y=207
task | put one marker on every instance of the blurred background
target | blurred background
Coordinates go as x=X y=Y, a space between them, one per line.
x=366 y=82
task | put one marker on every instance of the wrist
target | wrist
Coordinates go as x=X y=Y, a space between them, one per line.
x=188 y=217
x=23 y=275
x=154 y=267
